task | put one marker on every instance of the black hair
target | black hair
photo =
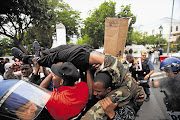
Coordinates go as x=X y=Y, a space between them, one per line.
x=68 y=82
x=7 y=59
x=129 y=56
x=105 y=78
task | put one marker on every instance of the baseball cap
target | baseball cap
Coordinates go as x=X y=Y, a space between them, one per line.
x=66 y=71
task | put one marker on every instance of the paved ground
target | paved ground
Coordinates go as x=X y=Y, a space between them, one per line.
x=155 y=108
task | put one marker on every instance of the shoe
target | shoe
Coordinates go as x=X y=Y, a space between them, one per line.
x=36 y=47
x=137 y=115
x=17 y=53
x=147 y=99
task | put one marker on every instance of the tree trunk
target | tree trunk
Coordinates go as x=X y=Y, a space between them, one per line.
x=23 y=49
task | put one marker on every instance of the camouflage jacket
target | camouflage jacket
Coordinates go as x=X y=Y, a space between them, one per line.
x=127 y=88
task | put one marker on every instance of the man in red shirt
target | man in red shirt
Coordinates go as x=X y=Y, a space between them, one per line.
x=68 y=99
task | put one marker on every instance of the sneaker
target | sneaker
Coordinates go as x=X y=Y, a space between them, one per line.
x=147 y=99
x=36 y=47
x=17 y=53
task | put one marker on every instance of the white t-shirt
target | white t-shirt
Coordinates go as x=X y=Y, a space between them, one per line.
x=156 y=54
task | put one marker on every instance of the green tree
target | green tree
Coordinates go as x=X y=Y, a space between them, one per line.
x=70 y=19
x=126 y=12
x=5 y=46
x=136 y=37
x=95 y=24
x=17 y=16
x=44 y=31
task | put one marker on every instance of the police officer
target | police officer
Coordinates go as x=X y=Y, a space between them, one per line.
x=20 y=99
x=144 y=70
x=171 y=66
x=170 y=86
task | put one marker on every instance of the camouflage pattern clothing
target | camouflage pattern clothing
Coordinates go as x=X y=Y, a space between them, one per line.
x=127 y=88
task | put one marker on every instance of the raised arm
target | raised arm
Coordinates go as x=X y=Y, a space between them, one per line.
x=96 y=58
x=46 y=82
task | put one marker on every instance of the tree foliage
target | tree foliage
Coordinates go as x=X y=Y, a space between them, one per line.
x=95 y=25
x=5 y=46
x=27 y=20
x=18 y=15
x=143 y=39
x=126 y=12
x=178 y=44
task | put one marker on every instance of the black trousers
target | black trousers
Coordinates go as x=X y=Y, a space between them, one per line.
x=76 y=54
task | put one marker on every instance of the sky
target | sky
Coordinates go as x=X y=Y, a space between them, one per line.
x=146 y=11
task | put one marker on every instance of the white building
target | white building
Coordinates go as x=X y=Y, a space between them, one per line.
x=153 y=28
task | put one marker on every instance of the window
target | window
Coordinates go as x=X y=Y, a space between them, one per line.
x=176 y=28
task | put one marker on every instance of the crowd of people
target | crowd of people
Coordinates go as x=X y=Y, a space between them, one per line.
x=82 y=83
x=154 y=55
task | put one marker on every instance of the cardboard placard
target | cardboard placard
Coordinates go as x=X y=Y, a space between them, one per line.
x=115 y=36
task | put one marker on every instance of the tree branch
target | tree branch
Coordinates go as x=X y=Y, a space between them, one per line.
x=9 y=17
x=7 y=35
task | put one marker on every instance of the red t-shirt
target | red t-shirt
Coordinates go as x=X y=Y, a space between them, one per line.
x=68 y=101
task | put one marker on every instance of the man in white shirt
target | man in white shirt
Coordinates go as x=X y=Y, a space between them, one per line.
x=156 y=56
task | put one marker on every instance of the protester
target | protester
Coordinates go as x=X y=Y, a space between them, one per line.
x=6 y=67
x=102 y=85
x=160 y=52
x=132 y=66
x=83 y=57
x=68 y=99
x=16 y=60
x=156 y=57
x=26 y=73
x=130 y=51
x=126 y=52
x=144 y=70
x=152 y=56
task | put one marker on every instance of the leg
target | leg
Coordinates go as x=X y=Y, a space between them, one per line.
x=56 y=49
x=147 y=91
x=77 y=54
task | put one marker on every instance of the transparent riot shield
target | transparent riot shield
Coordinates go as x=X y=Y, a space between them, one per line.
x=23 y=100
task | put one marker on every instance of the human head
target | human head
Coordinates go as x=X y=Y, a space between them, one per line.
x=143 y=55
x=102 y=85
x=64 y=75
x=2 y=60
x=26 y=69
x=21 y=107
x=170 y=65
x=6 y=60
x=129 y=58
